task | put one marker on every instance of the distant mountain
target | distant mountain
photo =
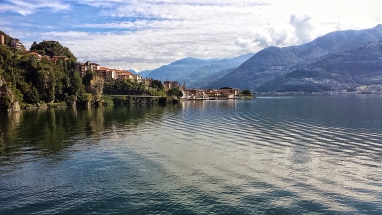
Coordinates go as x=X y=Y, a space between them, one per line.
x=145 y=73
x=204 y=83
x=356 y=69
x=132 y=71
x=178 y=69
x=268 y=68
x=215 y=67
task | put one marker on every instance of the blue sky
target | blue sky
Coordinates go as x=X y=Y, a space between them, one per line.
x=145 y=34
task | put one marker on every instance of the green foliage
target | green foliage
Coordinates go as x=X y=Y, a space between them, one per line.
x=155 y=92
x=89 y=75
x=43 y=81
x=157 y=84
x=120 y=100
x=84 y=99
x=107 y=100
x=246 y=93
x=174 y=92
x=52 y=48
x=125 y=87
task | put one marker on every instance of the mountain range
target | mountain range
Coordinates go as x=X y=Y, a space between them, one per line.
x=339 y=61
x=178 y=69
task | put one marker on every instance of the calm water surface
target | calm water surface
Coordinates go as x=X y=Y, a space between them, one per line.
x=270 y=155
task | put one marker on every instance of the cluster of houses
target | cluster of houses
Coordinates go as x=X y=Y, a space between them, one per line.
x=202 y=94
x=54 y=58
x=197 y=94
x=221 y=93
x=111 y=74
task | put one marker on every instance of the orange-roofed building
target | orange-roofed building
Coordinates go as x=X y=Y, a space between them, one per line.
x=57 y=58
x=122 y=74
x=37 y=55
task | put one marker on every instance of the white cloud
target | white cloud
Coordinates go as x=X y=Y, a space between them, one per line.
x=28 y=7
x=145 y=34
x=303 y=26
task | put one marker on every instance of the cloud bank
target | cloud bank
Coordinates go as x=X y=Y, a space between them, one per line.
x=146 y=34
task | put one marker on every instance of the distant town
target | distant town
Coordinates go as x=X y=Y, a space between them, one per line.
x=109 y=74
x=113 y=74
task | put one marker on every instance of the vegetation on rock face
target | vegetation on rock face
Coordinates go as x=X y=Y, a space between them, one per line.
x=30 y=79
x=44 y=81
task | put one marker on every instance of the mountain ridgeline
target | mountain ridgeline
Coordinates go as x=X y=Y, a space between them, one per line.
x=178 y=69
x=341 y=61
x=193 y=70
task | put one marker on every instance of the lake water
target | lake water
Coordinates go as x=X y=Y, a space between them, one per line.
x=271 y=155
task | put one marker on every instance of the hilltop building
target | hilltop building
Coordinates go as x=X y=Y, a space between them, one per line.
x=16 y=44
x=2 y=39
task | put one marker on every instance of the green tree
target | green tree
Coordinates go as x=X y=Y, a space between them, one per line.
x=76 y=86
x=174 y=92
x=157 y=84
x=89 y=75
x=246 y=92
x=52 y=48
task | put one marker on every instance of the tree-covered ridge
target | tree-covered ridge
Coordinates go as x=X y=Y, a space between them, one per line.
x=32 y=80
x=52 y=76
x=52 y=48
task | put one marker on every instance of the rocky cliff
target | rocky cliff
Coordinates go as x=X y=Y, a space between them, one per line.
x=8 y=102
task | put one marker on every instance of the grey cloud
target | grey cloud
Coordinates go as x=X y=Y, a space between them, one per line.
x=271 y=37
x=303 y=27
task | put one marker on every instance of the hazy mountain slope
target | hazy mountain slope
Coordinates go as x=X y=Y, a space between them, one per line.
x=205 y=83
x=260 y=68
x=272 y=62
x=350 y=70
x=214 y=67
x=178 y=69
x=145 y=73
x=132 y=71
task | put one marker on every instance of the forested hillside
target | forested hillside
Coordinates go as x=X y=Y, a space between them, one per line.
x=52 y=48
x=33 y=80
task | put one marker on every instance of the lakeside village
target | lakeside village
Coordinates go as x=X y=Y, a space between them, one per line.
x=190 y=94
x=110 y=75
x=48 y=75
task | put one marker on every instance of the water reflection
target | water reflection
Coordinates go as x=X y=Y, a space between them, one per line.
x=283 y=155
x=52 y=130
